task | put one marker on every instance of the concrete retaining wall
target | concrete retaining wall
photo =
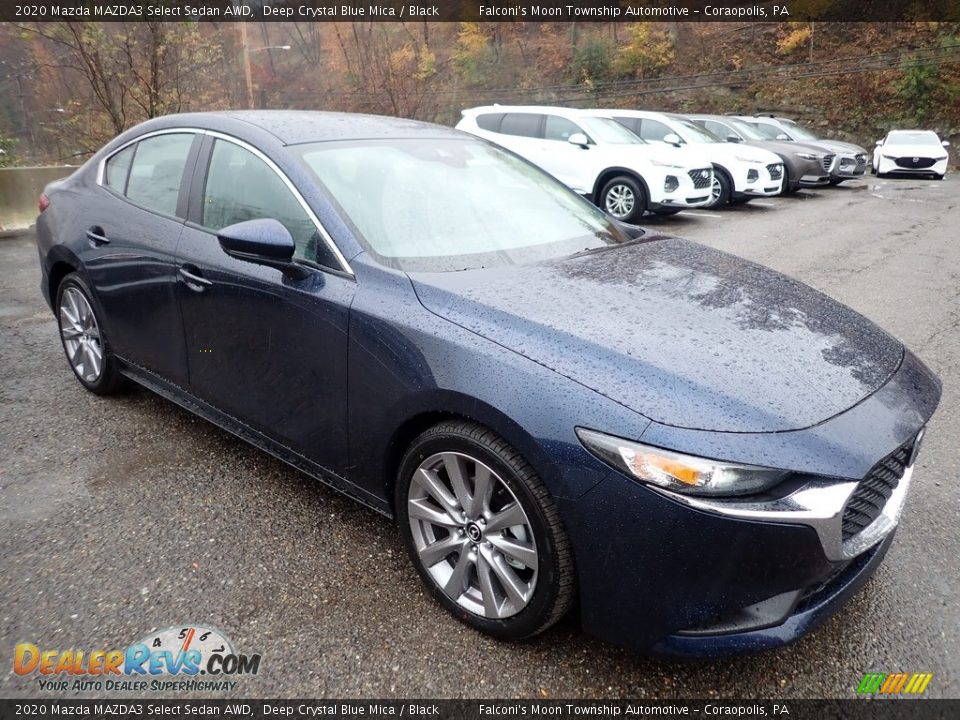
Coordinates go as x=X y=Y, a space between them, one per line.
x=19 y=190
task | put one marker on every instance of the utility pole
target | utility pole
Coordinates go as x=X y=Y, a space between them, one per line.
x=247 y=76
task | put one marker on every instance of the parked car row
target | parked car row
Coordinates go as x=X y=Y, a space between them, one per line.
x=639 y=161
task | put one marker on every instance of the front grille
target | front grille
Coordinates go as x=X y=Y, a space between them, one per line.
x=827 y=162
x=915 y=163
x=776 y=171
x=861 y=163
x=701 y=178
x=873 y=492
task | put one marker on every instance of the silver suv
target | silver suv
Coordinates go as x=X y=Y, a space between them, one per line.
x=849 y=162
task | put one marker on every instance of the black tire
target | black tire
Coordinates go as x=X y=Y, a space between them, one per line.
x=109 y=380
x=555 y=586
x=619 y=184
x=721 y=189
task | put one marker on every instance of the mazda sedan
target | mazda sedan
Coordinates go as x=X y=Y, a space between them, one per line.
x=554 y=407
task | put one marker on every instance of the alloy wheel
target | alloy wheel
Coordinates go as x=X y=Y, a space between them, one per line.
x=620 y=200
x=472 y=535
x=81 y=335
x=716 y=190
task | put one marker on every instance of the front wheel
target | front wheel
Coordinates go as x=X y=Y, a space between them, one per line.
x=720 y=190
x=83 y=339
x=624 y=198
x=483 y=531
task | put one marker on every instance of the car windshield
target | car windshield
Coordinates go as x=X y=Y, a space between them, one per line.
x=922 y=137
x=440 y=205
x=608 y=131
x=798 y=132
x=695 y=134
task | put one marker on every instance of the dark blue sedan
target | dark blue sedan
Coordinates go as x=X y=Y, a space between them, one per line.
x=709 y=456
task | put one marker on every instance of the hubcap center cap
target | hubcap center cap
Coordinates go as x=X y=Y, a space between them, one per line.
x=474 y=532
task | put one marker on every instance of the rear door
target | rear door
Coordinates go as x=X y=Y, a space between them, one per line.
x=566 y=162
x=132 y=228
x=266 y=346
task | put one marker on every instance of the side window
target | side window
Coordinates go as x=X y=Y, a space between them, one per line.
x=157 y=170
x=490 y=121
x=522 y=124
x=240 y=186
x=653 y=130
x=117 y=168
x=719 y=129
x=630 y=123
x=559 y=128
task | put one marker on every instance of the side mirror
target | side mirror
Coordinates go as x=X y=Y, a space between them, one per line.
x=733 y=138
x=945 y=143
x=783 y=136
x=580 y=139
x=672 y=139
x=879 y=143
x=264 y=241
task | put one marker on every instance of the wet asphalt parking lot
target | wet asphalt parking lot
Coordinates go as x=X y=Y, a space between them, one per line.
x=121 y=515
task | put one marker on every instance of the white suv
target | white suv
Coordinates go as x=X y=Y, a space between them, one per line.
x=740 y=172
x=597 y=158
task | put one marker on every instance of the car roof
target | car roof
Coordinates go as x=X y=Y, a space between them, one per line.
x=293 y=127
x=554 y=110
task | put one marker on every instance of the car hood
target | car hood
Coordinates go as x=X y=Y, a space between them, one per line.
x=688 y=157
x=727 y=152
x=836 y=146
x=683 y=334
x=785 y=147
x=926 y=151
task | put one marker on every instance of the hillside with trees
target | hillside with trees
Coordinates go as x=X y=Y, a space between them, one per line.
x=65 y=88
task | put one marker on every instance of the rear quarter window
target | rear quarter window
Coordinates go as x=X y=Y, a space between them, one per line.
x=157 y=171
x=489 y=121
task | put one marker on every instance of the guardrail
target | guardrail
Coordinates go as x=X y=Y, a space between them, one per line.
x=20 y=188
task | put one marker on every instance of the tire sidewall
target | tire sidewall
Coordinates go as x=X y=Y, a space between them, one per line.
x=726 y=186
x=639 y=194
x=532 y=618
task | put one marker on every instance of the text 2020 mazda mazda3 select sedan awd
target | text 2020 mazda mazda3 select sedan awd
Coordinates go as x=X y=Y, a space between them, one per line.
x=709 y=455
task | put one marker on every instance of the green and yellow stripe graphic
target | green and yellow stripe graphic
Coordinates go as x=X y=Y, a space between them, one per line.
x=894 y=683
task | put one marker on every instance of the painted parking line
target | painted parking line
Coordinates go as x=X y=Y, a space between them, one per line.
x=700 y=214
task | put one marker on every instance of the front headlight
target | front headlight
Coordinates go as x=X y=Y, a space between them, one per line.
x=890 y=157
x=664 y=163
x=752 y=161
x=808 y=156
x=679 y=473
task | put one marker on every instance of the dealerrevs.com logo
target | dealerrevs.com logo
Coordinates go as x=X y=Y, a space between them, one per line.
x=186 y=657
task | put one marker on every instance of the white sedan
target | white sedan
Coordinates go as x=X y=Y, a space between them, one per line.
x=911 y=152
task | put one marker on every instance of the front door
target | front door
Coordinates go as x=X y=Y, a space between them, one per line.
x=266 y=346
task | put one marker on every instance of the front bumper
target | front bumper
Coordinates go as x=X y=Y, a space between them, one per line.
x=848 y=165
x=666 y=574
x=909 y=166
x=760 y=181
x=681 y=188
x=810 y=173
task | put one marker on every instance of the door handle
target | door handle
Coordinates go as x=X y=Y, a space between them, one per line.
x=193 y=278
x=96 y=236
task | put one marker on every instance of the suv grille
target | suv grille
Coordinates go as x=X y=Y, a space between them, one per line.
x=776 y=171
x=861 y=163
x=915 y=162
x=701 y=178
x=867 y=501
x=827 y=162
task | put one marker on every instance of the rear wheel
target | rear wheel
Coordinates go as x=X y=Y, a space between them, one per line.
x=624 y=198
x=483 y=531
x=83 y=339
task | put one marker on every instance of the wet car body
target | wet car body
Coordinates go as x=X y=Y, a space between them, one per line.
x=659 y=340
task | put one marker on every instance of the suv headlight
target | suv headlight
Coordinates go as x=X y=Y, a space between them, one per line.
x=679 y=473
x=752 y=161
x=808 y=156
x=666 y=164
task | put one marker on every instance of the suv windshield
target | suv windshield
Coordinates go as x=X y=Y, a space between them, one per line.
x=799 y=132
x=438 y=205
x=748 y=131
x=693 y=133
x=607 y=131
